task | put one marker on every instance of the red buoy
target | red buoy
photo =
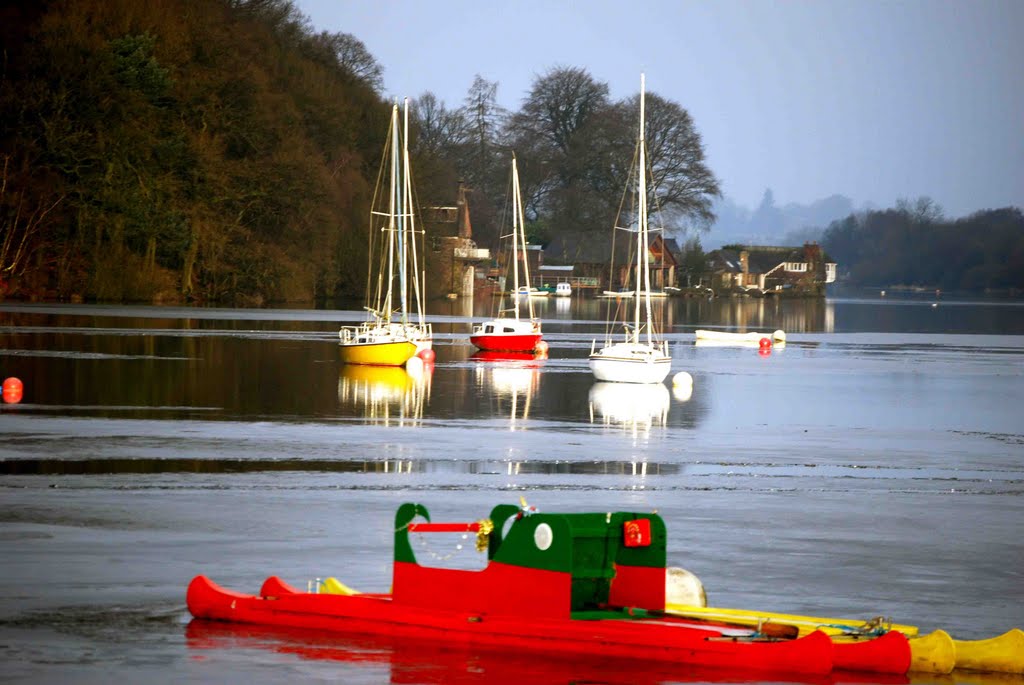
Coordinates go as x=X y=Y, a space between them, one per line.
x=13 y=390
x=765 y=342
x=427 y=355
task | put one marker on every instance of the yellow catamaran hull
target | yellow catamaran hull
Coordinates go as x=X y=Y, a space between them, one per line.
x=806 y=624
x=935 y=652
x=394 y=353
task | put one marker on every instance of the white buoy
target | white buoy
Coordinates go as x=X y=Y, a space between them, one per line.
x=414 y=367
x=682 y=386
x=779 y=336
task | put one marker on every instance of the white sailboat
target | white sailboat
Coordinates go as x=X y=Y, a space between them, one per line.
x=512 y=333
x=642 y=357
x=392 y=336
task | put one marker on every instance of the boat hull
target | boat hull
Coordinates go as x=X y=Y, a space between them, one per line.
x=661 y=639
x=727 y=337
x=629 y=363
x=806 y=624
x=391 y=353
x=889 y=653
x=1004 y=653
x=511 y=342
x=935 y=652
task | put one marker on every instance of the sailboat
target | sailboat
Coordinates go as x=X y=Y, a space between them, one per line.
x=642 y=357
x=391 y=336
x=512 y=333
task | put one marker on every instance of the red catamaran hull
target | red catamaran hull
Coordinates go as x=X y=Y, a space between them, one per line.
x=653 y=639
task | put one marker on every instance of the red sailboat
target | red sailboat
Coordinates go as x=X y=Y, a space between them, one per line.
x=511 y=333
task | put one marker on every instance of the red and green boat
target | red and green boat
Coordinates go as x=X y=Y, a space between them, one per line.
x=585 y=584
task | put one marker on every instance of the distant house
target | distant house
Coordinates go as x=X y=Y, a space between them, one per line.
x=665 y=259
x=593 y=265
x=771 y=270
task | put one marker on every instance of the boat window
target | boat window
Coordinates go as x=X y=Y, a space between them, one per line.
x=509 y=330
x=488 y=329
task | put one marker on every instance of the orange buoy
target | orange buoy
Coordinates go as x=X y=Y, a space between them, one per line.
x=427 y=355
x=13 y=389
x=541 y=348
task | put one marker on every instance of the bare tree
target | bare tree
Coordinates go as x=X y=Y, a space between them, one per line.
x=441 y=131
x=923 y=209
x=22 y=221
x=353 y=57
x=484 y=118
x=559 y=104
x=684 y=184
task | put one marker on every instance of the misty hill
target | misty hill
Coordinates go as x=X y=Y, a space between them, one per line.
x=769 y=224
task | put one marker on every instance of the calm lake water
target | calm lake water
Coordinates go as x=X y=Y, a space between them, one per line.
x=873 y=465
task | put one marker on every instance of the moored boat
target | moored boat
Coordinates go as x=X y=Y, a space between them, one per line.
x=731 y=338
x=643 y=356
x=506 y=335
x=585 y=584
x=374 y=344
x=392 y=335
x=508 y=332
x=591 y=584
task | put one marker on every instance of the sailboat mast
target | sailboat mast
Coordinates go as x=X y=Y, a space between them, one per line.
x=408 y=191
x=515 y=237
x=641 y=220
x=411 y=218
x=521 y=224
x=402 y=247
x=392 y=205
x=644 y=215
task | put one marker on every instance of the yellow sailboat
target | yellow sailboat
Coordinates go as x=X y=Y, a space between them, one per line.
x=391 y=336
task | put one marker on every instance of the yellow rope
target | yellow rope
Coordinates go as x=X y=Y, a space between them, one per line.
x=483 y=533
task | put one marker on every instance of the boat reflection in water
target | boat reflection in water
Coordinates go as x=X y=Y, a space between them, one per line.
x=637 y=406
x=386 y=393
x=513 y=378
x=379 y=659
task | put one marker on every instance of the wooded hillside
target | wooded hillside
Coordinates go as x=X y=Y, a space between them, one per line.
x=224 y=151
x=166 y=150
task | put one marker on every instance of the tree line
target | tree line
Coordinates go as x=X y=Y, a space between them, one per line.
x=913 y=245
x=226 y=151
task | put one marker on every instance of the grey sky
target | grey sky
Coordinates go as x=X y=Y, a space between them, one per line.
x=873 y=100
